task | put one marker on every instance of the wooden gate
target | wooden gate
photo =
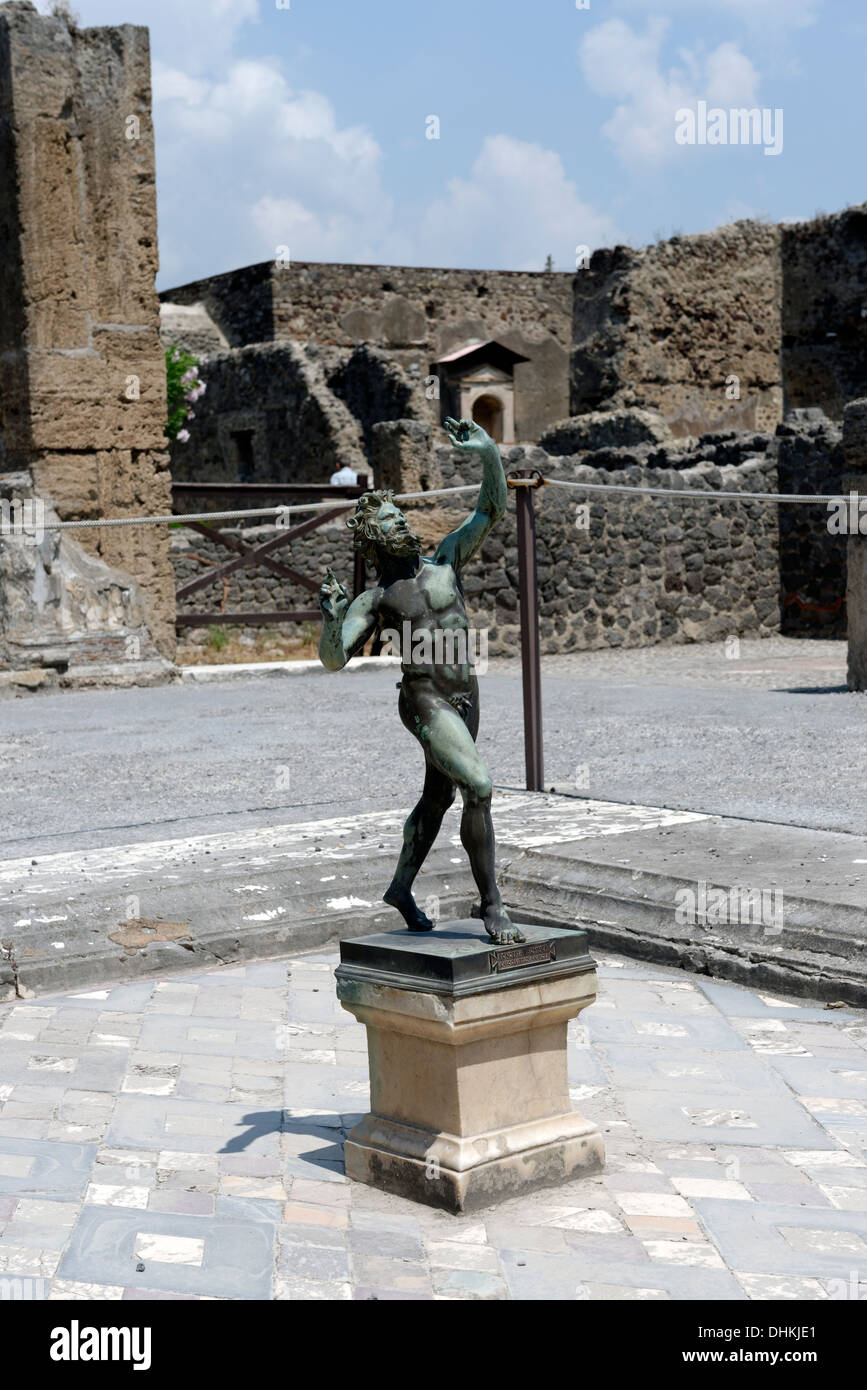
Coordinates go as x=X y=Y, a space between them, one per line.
x=251 y=556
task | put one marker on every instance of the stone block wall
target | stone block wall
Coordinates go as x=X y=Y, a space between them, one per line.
x=665 y=326
x=643 y=571
x=298 y=430
x=82 y=377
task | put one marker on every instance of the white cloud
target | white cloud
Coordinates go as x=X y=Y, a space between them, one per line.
x=767 y=14
x=292 y=176
x=246 y=165
x=617 y=62
x=515 y=208
x=730 y=77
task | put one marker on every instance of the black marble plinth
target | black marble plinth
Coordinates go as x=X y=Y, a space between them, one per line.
x=459 y=958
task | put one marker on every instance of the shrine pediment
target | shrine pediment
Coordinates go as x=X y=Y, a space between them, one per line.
x=472 y=356
x=484 y=373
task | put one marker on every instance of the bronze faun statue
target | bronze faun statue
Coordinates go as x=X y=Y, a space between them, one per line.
x=419 y=601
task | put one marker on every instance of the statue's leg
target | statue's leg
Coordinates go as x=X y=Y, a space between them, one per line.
x=419 y=833
x=448 y=740
x=477 y=838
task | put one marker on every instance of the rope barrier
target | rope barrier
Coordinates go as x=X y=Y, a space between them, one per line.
x=690 y=494
x=180 y=518
x=157 y=520
x=709 y=494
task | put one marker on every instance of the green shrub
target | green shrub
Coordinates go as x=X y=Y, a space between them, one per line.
x=183 y=388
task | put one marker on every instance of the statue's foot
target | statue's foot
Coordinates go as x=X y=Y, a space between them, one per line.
x=402 y=899
x=498 y=925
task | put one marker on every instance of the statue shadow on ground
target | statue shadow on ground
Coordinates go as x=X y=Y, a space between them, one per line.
x=263 y=1122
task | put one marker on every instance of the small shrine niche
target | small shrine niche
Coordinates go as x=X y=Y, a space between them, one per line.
x=479 y=384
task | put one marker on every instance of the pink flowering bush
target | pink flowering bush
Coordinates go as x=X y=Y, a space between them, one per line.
x=184 y=387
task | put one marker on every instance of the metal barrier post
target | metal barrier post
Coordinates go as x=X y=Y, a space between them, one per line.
x=524 y=481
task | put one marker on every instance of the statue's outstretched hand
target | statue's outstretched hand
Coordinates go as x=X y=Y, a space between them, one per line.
x=333 y=598
x=466 y=434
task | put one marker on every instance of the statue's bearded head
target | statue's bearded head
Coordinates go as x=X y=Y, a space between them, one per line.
x=380 y=529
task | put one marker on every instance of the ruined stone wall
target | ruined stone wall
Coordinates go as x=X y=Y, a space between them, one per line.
x=241 y=302
x=824 y=311
x=415 y=314
x=806 y=450
x=82 y=378
x=812 y=560
x=665 y=326
x=645 y=570
x=300 y=432
x=855 y=479
x=64 y=613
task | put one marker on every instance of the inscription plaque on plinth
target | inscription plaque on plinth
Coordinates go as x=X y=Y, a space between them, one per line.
x=468 y=1064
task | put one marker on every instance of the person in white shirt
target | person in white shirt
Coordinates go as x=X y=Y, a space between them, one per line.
x=344 y=477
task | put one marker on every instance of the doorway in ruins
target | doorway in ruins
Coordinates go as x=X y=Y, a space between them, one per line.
x=488 y=412
x=245 y=458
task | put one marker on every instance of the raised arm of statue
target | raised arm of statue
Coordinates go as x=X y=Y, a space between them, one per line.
x=460 y=545
x=345 y=626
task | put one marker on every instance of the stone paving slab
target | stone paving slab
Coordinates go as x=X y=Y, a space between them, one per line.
x=724 y=1116
x=804 y=1241
x=35 y=1168
x=187 y=1254
x=734 y=1002
x=203 y=1159
x=703 y=1072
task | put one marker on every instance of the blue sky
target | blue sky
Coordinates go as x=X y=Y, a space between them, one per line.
x=305 y=126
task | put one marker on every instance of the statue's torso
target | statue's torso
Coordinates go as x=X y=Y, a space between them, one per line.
x=427 y=613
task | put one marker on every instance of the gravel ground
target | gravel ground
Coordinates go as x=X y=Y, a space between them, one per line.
x=771 y=735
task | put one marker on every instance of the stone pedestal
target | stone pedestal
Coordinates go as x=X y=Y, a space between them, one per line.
x=467 y=1047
